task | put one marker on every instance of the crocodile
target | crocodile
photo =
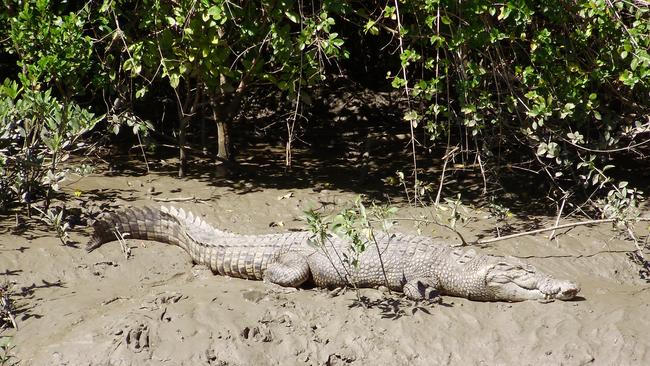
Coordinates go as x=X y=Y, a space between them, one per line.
x=420 y=267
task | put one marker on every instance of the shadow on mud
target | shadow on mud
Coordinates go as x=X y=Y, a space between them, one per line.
x=643 y=263
x=11 y=272
x=24 y=309
x=396 y=307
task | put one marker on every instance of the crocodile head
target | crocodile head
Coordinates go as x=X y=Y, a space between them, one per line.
x=519 y=282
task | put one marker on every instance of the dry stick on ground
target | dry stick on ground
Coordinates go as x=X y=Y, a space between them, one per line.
x=178 y=199
x=563 y=226
x=525 y=233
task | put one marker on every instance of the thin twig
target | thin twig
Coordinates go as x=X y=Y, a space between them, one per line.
x=630 y=147
x=525 y=233
x=480 y=164
x=121 y=237
x=348 y=276
x=563 y=226
x=408 y=102
x=639 y=248
x=442 y=175
x=557 y=219
x=381 y=260
x=176 y=199
x=144 y=156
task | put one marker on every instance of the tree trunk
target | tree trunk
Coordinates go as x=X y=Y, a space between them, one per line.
x=223 y=111
x=223 y=138
x=182 y=137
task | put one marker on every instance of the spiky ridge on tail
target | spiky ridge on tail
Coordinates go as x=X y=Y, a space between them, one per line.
x=145 y=223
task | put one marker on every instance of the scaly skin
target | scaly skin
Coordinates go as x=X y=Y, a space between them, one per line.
x=416 y=265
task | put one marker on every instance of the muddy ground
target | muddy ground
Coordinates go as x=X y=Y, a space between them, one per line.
x=157 y=308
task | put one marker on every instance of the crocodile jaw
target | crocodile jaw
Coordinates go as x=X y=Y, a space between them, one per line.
x=520 y=282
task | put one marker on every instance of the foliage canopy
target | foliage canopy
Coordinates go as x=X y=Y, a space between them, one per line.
x=555 y=88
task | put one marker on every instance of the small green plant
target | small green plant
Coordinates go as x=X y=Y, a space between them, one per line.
x=319 y=225
x=7 y=319
x=6 y=356
x=36 y=134
x=354 y=224
x=6 y=305
x=457 y=212
x=39 y=121
x=346 y=224
x=621 y=203
x=54 y=217
x=500 y=212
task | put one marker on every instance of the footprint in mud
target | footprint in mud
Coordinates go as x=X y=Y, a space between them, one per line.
x=254 y=295
x=275 y=317
x=160 y=302
x=336 y=359
x=134 y=337
x=259 y=333
x=212 y=358
x=168 y=298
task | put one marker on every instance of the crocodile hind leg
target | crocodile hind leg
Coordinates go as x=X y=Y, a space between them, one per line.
x=288 y=270
x=424 y=288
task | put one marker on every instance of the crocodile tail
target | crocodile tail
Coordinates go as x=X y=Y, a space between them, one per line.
x=145 y=223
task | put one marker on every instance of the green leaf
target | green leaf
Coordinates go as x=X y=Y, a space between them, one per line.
x=215 y=12
x=141 y=92
x=174 y=80
x=398 y=82
x=292 y=16
x=504 y=13
x=411 y=116
x=371 y=27
x=597 y=115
